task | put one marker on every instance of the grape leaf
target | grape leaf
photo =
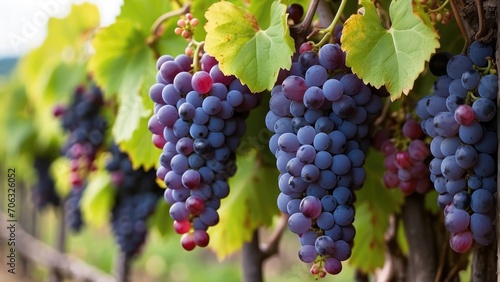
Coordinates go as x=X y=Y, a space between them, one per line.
x=124 y=65
x=253 y=55
x=373 y=206
x=251 y=204
x=198 y=9
x=430 y=202
x=98 y=199
x=18 y=130
x=60 y=170
x=139 y=146
x=392 y=57
x=144 y=13
x=118 y=66
x=49 y=74
x=120 y=59
x=61 y=55
x=160 y=220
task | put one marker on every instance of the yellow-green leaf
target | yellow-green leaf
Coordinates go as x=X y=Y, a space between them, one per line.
x=250 y=205
x=160 y=221
x=140 y=148
x=120 y=61
x=374 y=204
x=392 y=57
x=253 y=55
x=65 y=47
x=98 y=199
x=60 y=170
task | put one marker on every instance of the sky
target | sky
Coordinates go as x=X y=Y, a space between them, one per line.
x=23 y=23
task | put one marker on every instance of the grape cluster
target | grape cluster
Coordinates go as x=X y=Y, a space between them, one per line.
x=43 y=193
x=198 y=121
x=406 y=155
x=136 y=197
x=320 y=116
x=86 y=128
x=460 y=116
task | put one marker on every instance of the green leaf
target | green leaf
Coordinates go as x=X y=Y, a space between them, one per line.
x=60 y=170
x=431 y=200
x=120 y=61
x=64 y=48
x=392 y=57
x=374 y=204
x=144 y=13
x=128 y=119
x=18 y=130
x=250 y=205
x=98 y=199
x=50 y=72
x=125 y=66
x=253 y=55
x=160 y=219
x=401 y=238
x=140 y=148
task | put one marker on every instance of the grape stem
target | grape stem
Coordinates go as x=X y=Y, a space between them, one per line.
x=384 y=113
x=330 y=29
x=439 y=8
x=460 y=24
x=459 y=265
x=394 y=259
x=482 y=21
x=486 y=70
x=299 y=30
x=445 y=245
x=271 y=247
x=196 y=55
x=254 y=253
x=156 y=32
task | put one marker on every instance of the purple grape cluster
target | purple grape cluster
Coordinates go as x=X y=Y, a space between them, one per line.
x=86 y=128
x=460 y=116
x=43 y=193
x=406 y=157
x=320 y=116
x=137 y=194
x=198 y=121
